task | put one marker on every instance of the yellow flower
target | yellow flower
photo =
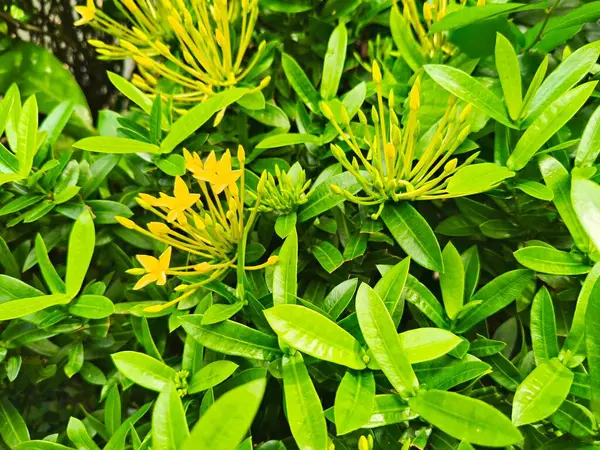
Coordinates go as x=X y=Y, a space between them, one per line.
x=156 y=269
x=217 y=173
x=179 y=203
x=87 y=13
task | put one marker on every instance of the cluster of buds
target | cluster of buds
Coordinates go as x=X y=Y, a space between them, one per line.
x=284 y=192
x=209 y=41
x=180 y=382
x=209 y=226
x=393 y=169
x=433 y=45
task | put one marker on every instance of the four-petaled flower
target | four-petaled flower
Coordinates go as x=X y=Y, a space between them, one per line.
x=87 y=12
x=218 y=173
x=181 y=201
x=156 y=269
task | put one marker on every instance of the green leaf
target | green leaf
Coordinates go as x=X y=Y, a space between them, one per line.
x=558 y=179
x=41 y=445
x=552 y=119
x=92 y=306
x=323 y=199
x=541 y=393
x=112 y=410
x=285 y=284
x=339 y=298
x=27 y=136
x=552 y=261
x=211 y=375
x=476 y=178
x=494 y=296
x=22 y=307
x=509 y=72
x=543 y=327
x=333 y=65
x=111 y=144
x=470 y=259
x=592 y=345
x=328 y=256
x=452 y=281
x=589 y=146
x=226 y=422
x=575 y=337
x=117 y=441
x=169 y=425
x=574 y=419
x=474 y=14
x=467 y=88
x=173 y=165
x=81 y=248
x=404 y=40
x=79 y=436
x=417 y=294
x=12 y=426
x=283 y=140
x=354 y=401
x=380 y=334
x=54 y=282
x=586 y=203
x=563 y=78
x=285 y=224
x=232 y=338
x=75 y=360
x=481 y=347
x=300 y=83
x=314 y=334
x=535 y=190
x=465 y=418
x=425 y=344
x=194 y=118
x=303 y=406
x=413 y=234
x=143 y=370
x=220 y=312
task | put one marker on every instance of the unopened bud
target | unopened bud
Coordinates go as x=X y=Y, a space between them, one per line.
x=376 y=72
x=362 y=118
x=336 y=189
x=427 y=12
x=450 y=165
x=241 y=154
x=158 y=228
x=135 y=271
x=464 y=114
x=126 y=222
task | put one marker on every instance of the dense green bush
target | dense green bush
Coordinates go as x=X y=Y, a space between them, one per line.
x=349 y=224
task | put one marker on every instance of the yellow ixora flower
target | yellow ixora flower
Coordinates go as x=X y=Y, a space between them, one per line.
x=87 y=12
x=155 y=269
x=213 y=232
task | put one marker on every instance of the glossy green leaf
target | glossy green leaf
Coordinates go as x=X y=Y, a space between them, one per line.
x=22 y=307
x=110 y=144
x=380 y=334
x=541 y=393
x=418 y=294
x=211 y=375
x=12 y=426
x=81 y=248
x=413 y=234
x=169 y=425
x=75 y=360
x=79 y=435
x=328 y=256
x=543 y=327
x=586 y=203
x=232 y=338
x=425 y=344
x=467 y=88
x=509 y=72
x=333 y=65
x=220 y=312
x=194 y=118
x=339 y=297
x=452 y=281
x=465 y=418
x=323 y=199
x=300 y=82
x=54 y=282
x=283 y=140
x=592 y=345
x=494 y=296
x=536 y=190
x=226 y=422
x=143 y=370
x=574 y=419
x=303 y=406
x=285 y=224
x=112 y=410
x=354 y=401
x=563 y=78
x=404 y=40
x=589 y=146
x=558 y=180
x=552 y=119
x=285 y=274
x=552 y=261
x=92 y=306
x=314 y=334
x=391 y=285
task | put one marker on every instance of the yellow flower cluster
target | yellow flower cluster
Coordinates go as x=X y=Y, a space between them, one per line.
x=393 y=170
x=197 y=44
x=210 y=232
